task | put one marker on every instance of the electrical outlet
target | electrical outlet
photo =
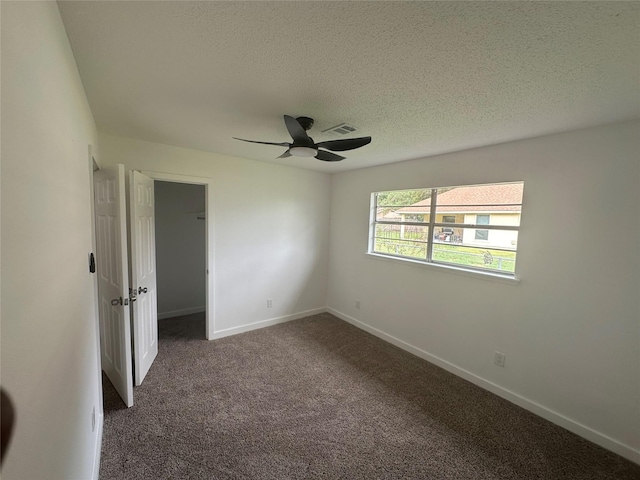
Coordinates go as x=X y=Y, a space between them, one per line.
x=358 y=304
x=499 y=358
x=269 y=302
x=93 y=419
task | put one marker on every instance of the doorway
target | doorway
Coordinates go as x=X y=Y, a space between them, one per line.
x=180 y=228
x=123 y=341
x=207 y=219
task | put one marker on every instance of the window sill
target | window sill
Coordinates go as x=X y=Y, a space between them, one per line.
x=492 y=276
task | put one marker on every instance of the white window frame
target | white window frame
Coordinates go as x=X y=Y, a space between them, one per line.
x=432 y=224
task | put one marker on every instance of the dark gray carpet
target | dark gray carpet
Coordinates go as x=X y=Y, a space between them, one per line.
x=318 y=398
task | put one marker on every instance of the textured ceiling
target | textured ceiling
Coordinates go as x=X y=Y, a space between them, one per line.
x=421 y=78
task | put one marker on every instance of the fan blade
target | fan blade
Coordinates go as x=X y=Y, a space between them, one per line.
x=345 y=144
x=328 y=156
x=264 y=143
x=296 y=131
x=285 y=155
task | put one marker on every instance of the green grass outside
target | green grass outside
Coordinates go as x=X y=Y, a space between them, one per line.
x=458 y=255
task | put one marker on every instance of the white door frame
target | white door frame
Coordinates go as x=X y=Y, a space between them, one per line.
x=98 y=416
x=209 y=232
x=93 y=167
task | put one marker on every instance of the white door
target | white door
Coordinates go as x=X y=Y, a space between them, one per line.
x=113 y=280
x=143 y=274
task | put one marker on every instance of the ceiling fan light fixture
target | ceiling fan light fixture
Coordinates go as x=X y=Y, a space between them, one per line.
x=304 y=146
x=303 y=151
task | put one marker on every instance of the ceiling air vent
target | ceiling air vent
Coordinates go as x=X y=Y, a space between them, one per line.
x=341 y=129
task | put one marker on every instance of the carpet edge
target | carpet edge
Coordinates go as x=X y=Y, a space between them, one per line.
x=265 y=323
x=181 y=312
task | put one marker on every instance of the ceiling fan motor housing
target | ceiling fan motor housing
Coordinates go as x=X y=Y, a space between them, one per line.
x=305 y=122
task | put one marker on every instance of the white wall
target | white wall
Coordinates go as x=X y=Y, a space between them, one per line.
x=180 y=248
x=271 y=229
x=570 y=329
x=49 y=348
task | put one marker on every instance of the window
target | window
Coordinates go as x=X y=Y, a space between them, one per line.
x=440 y=225
x=482 y=220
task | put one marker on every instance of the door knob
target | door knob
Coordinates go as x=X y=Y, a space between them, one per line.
x=142 y=290
x=116 y=301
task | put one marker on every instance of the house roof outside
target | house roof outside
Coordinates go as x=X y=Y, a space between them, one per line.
x=502 y=197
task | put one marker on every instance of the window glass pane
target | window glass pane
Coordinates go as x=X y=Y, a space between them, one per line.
x=497 y=204
x=401 y=198
x=482 y=235
x=403 y=205
x=398 y=215
x=507 y=239
x=482 y=219
x=447 y=234
x=403 y=248
x=402 y=232
x=474 y=257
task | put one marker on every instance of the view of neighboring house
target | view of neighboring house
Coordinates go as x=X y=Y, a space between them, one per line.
x=495 y=205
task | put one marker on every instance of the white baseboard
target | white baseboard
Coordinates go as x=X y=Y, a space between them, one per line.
x=98 y=447
x=579 y=429
x=179 y=313
x=265 y=323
